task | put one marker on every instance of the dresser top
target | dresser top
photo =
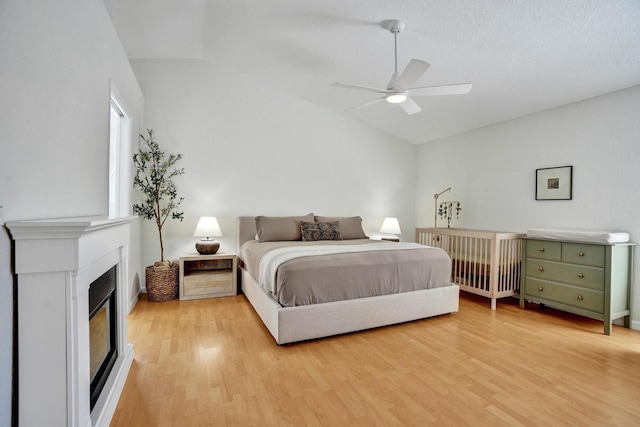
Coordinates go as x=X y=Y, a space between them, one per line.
x=583 y=236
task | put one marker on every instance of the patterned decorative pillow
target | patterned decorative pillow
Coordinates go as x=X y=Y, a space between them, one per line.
x=312 y=231
x=350 y=227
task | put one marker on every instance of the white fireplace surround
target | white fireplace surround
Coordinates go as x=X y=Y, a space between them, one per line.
x=56 y=260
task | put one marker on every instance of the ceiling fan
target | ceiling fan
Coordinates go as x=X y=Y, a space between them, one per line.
x=399 y=90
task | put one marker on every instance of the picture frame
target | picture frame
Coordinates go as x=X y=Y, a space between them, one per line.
x=554 y=183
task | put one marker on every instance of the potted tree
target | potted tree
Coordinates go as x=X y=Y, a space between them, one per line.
x=155 y=170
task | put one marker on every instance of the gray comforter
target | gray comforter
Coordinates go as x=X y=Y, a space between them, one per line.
x=335 y=277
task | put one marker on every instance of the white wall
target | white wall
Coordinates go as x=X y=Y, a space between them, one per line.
x=492 y=171
x=251 y=150
x=6 y=324
x=58 y=59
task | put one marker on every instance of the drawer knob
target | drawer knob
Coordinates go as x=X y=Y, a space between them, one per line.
x=540 y=288
x=541 y=268
x=541 y=249
x=581 y=253
x=581 y=275
x=579 y=297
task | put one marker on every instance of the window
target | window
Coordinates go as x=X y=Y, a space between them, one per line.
x=119 y=159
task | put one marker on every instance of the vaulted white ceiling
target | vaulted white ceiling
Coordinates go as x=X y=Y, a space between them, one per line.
x=522 y=56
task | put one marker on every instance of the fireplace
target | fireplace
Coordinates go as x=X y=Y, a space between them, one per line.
x=103 y=326
x=73 y=354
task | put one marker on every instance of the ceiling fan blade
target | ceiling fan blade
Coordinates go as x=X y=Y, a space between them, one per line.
x=456 y=89
x=410 y=106
x=393 y=80
x=357 y=107
x=411 y=73
x=358 y=87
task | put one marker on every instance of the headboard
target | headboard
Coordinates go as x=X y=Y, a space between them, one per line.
x=246 y=229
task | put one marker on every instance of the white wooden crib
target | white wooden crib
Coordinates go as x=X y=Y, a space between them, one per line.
x=485 y=263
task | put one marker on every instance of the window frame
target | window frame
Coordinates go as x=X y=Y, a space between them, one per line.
x=120 y=163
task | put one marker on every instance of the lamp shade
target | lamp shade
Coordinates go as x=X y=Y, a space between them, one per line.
x=208 y=227
x=390 y=226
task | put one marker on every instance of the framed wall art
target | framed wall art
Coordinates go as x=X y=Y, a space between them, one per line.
x=554 y=183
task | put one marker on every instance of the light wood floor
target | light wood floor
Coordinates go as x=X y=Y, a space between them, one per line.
x=212 y=363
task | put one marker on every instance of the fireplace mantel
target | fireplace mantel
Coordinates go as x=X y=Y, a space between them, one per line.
x=56 y=260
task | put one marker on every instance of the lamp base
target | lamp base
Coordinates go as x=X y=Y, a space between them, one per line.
x=207 y=247
x=390 y=238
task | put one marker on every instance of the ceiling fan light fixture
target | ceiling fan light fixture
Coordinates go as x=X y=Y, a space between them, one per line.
x=399 y=90
x=396 y=97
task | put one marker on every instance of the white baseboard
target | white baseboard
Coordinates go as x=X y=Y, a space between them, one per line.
x=133 y=301
x=635 y=324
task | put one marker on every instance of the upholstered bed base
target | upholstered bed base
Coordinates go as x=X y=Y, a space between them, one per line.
x=292 y=324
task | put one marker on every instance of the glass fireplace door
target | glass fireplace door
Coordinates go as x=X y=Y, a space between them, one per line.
x=102 y=331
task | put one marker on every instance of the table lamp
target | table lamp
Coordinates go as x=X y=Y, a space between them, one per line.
x=390 y=227
x=207 y=228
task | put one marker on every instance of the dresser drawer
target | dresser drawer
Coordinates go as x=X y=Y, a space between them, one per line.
x=590 y=277
x=578 y=253
x=543 y=249
x=587 y=299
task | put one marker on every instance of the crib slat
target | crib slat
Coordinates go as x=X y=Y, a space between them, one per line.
x=485 y=263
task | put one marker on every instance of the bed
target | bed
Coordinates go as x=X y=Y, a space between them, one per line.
x=486 y=263
x=292 y=319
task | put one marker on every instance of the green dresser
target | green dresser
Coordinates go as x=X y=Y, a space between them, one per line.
x=589 y=279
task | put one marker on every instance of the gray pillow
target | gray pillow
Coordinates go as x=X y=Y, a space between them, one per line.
x=313 y=231
x=350 y=227
x=280 y=228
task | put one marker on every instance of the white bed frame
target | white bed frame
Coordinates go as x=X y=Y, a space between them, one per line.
x=292 y=324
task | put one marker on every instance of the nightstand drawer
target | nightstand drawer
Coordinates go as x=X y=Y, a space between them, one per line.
x=208 y=276
x=208 y=282
x=543 y=249
x=583 y=254
x=587 y=299
x=590 y=277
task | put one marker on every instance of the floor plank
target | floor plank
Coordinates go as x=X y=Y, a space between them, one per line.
x=212 y=362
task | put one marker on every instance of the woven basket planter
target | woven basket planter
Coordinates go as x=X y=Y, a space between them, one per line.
x=162 y=283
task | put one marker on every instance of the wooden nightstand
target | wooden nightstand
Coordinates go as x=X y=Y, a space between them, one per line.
x=208 y=276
